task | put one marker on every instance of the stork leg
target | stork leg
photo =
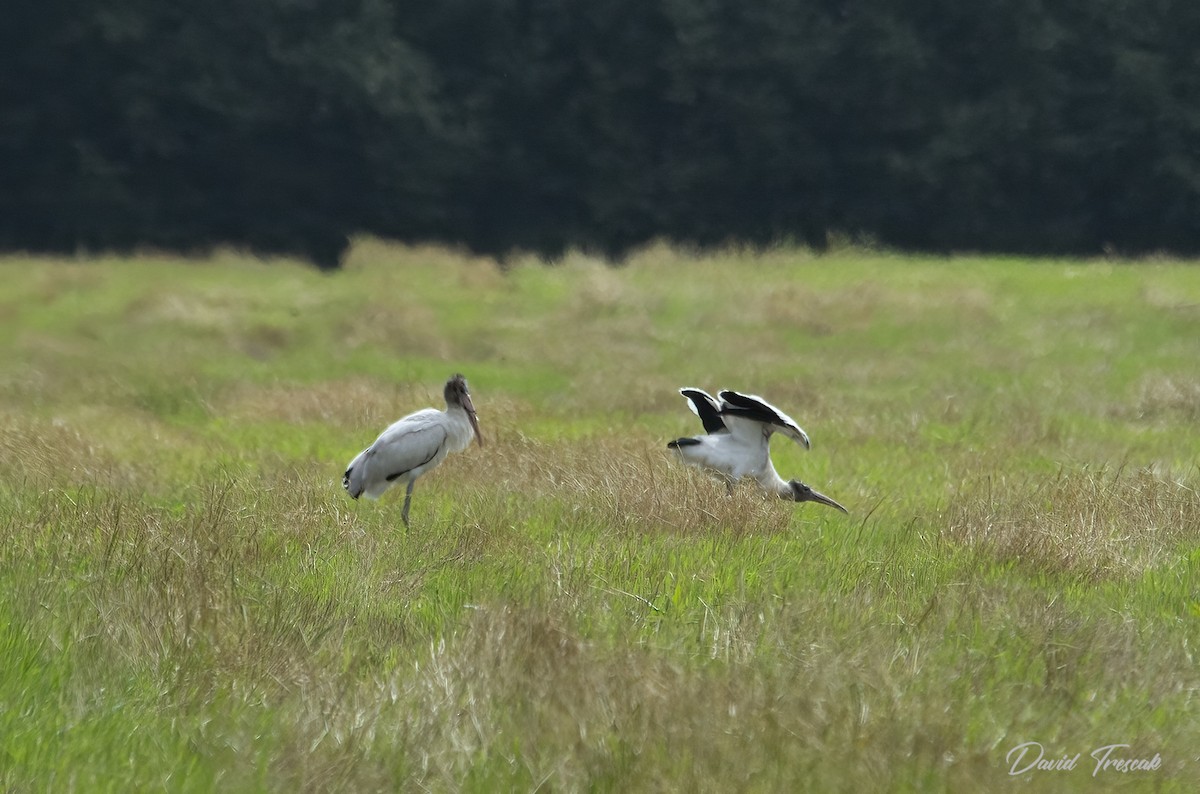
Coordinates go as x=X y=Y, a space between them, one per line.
x=407 y=499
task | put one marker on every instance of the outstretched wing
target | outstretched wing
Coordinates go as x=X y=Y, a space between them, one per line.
x=403 y=451
x=705 y=407
x=755 y=409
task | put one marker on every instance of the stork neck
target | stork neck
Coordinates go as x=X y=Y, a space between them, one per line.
x=770 y=480
x=458 y=427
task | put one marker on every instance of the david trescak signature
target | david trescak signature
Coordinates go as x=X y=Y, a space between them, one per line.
x=1031 y=757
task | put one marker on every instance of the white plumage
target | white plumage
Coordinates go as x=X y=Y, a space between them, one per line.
x=413 y=445
x=736 y=443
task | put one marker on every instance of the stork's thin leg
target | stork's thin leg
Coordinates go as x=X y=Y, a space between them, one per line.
x=407 y=499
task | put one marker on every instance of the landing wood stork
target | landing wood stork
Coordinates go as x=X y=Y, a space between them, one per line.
x=736 y=444
x=414 y=445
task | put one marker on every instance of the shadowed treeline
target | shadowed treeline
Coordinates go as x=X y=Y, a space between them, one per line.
x=290 y=125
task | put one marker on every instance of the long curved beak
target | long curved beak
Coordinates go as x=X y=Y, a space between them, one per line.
x=469 y=407
x=820 y=498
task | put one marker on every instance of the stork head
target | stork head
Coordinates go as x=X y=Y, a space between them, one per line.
x=457 y=395
x=799 y=492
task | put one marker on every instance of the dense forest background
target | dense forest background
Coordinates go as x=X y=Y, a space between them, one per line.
x=287 y=126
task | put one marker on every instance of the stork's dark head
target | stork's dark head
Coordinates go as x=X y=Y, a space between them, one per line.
x=803 y=493
x=457 y=396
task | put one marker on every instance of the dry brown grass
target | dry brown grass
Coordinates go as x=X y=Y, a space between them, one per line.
x=627 y=484
x=358 y=402
x=604 y=713
x=64 y=454
x=1091 y=523
x=1163 y=398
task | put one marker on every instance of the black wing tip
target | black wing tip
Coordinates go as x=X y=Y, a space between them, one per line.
x=754 y=407
x=742 y=400
x=682 y=442
x=705 y=407
x=753 y=414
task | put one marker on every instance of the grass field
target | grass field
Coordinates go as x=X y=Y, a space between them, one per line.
x=190 y=602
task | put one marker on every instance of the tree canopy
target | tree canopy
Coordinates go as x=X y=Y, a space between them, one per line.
x=289 y=125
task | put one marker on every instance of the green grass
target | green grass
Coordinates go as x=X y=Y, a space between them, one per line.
x=190 y=602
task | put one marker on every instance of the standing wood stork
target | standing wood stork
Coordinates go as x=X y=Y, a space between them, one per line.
x=414 y=445
x=737 y=439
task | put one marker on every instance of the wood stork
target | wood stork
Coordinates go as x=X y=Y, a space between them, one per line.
x=737 y=439
x=414 y=445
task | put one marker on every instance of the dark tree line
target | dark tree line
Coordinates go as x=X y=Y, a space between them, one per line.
x=289 y=125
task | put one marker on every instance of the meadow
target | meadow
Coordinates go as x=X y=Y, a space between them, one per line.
x=190 y=602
